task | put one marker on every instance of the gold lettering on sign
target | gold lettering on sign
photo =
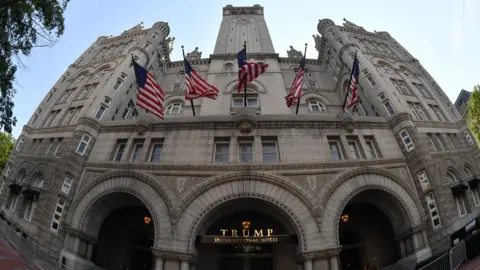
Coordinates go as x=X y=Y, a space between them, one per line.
x=258 y=233
x=246 y=233
x=269 y=232
x=224 y=231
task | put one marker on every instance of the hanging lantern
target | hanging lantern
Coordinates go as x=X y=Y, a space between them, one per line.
x=344 y=218
x=147 y=220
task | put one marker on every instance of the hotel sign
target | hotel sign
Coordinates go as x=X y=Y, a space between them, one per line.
x=246 y=236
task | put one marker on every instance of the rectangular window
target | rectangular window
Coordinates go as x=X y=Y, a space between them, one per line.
x=388 y=106
x=439 y=140
x=335 y=149
x=245 y=150
x=67 y=184
x=146 y=45
x=222 y=151
x=407 y=140
x=420 y=111
x=371 y=147
x=39 y=145
x=438 y=113
x=82 y=146
x=75 y=115
x=414 y=112
x=130 y=112
x=476 y=196
x=432 y=142
x=50 y=146
x=354 y=150
x=8 y=169
x=68 y=117
x=19 y=144
x=371 y=80
x=433 y=210
x=424 y=182
x=59 y=142
x=99 y=113
x=270 y=150
x=57 y=215
x=461 y=207
x=29 y=210
x=468 y=137
x=119 y=150
x=13 y=202
x=156 y=152
x=136 y=153
x=66 y=95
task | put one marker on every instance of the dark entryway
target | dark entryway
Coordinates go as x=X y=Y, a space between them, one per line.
x=367 y=238
x=125 y=240
x=251 y=256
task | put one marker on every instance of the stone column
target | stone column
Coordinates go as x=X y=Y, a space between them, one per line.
x=334 y=263
x=307 y=265
x=185 y=265
x=172 y=260
x=158 y=264
x=402 y=248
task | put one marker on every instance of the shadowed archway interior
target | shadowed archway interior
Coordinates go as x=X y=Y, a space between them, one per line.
x=262 y=215
x=366 y=232
x=125 y=237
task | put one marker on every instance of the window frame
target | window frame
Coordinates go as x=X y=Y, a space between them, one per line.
x=275 y=146
x=408 y=146
x=67 y=184
x=216 y=153
x=430 y=200
x=86 y=142
x=170 y=108
x=59 y=205
x=151 y=154
x=423 y=180
x=240 y=152
x=337 y=143
x=318 y=103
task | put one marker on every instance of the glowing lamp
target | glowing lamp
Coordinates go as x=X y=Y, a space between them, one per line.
x=147 y=220
x=344 y=218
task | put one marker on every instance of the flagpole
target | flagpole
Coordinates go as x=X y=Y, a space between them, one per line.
x=349 y=83
x=245 y=85
x=298 y=100
x=191 y=100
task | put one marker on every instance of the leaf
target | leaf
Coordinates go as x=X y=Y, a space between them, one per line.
x=25 y=24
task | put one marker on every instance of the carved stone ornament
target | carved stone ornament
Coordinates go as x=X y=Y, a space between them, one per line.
x=141 y=127
x=347 y=23
x=175 y=213
x=347 y=121
x=194 y=55
x=292 y=53
x=245 y=119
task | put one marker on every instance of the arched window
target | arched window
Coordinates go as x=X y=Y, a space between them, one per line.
x=451 y=177
x=238 y=99
x=39 y=180
x=315 y=106
x=22 y=177
x=467 y=171
x=179 y=84
x=174 y=108
x=228 y=66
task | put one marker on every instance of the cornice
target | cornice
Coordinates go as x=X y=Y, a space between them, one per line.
x=34 y=131
x=170 y=255
x=180 y=63
x=319 y=254
x=219 y=122
x=360 y=31
x=297 y=60
x=124 y=36
x=208 y=169
x=231 y=56
x=91 y=122
x=432 y=124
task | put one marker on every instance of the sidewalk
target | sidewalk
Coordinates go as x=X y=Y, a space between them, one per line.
x=10 y=259
x=471 y=265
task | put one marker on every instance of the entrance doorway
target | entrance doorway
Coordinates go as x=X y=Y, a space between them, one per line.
x=246 y=256
x=366 y=236
x=125 y=239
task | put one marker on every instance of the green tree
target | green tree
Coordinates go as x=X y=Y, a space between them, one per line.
x=474 y=112
x=6 y=146
x=24 y=24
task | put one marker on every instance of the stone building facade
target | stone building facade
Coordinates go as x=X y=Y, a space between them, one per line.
x=387 y=183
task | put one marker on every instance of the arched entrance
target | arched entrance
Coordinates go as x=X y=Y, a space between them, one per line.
x=126 y=233
x=246 y=234
x=366 y=233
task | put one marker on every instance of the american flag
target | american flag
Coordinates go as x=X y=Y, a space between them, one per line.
x=197 y=86
x=248 y=72
x=150 y=95
x=296 y=89
x=352 y=93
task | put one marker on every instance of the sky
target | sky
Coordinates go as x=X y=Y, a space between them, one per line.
x=441 y=34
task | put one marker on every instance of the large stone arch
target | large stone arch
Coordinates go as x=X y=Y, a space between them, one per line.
x=347 y=185
x=129 y=182
x=283 y=195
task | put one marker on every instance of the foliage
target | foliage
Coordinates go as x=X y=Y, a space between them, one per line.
x=25 y=24
x=474 y=112
x=6 y=146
